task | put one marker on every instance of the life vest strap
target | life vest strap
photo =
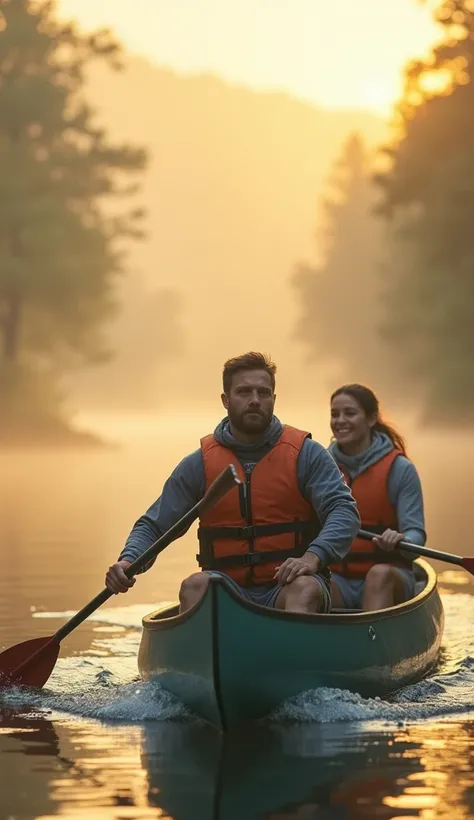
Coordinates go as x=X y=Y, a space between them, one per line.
x=247 y=559
x=252 y=559
x=209 y=534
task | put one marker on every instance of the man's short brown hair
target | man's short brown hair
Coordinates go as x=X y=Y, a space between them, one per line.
x=249 y=361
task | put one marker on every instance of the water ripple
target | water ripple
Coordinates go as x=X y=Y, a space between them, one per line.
x=104 y=683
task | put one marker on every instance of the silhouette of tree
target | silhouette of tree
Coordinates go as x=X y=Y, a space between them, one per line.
x=340 y=297
x=61 y=242
x=428 y=197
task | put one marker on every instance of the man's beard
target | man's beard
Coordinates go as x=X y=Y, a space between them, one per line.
x=249 y=422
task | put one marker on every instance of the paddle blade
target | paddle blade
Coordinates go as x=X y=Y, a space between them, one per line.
x=29 y=663
x=221 y=485
x=468 y=564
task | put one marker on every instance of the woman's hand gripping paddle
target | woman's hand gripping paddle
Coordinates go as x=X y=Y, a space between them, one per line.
x=458 y=560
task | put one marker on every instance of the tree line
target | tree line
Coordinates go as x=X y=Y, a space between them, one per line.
x=390 y=301
x=69 y=208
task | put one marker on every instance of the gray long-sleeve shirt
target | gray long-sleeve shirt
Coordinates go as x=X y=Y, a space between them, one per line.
x=403 y=484
x=319 y=480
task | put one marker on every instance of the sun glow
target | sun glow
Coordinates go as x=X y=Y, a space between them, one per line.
x=345 y=56
x=379 y=97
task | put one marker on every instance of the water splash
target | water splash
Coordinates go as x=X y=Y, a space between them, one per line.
x=446 y=694
x=104 y=683
x=104 y=697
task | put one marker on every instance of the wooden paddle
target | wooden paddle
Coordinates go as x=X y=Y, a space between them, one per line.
x=30 y=663
x=465 y=563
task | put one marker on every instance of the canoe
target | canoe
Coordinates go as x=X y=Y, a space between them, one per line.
x=231 y=661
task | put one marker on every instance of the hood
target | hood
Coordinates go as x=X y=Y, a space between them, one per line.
x=379 y=447
x=249 y=452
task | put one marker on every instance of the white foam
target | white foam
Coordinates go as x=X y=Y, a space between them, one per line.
x=448 y=693
x=89 y=687
x=104 y=683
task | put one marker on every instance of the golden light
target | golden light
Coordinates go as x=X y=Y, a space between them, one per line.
x=298 y=47
x=379 y=97
x=440 y=791
x=436 y=82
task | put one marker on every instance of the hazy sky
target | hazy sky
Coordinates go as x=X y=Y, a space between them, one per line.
x=340 y=53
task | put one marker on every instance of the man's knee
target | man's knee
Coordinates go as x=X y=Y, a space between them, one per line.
x=380 y=576
x=194 y=586
x=305 y=588
x=304 y=594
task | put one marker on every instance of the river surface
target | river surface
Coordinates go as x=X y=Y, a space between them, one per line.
x=98 y=744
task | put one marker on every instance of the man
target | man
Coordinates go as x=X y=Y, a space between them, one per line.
x=271 y=538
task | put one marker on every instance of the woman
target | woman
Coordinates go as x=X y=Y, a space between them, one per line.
x=387 y=489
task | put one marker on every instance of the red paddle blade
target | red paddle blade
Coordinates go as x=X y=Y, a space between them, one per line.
x=468 y=564
x=29 y=663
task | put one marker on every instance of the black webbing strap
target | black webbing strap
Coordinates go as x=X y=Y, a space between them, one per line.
x=207 y=560
x=207 y=534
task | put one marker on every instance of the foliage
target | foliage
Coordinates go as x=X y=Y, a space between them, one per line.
x=61 y=239
x=428 y=196
x=339 y=298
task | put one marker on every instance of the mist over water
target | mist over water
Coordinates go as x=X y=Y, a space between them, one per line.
x=97 y=739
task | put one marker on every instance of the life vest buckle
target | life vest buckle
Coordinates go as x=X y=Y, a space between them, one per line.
x=251 y=559
x=247 y=532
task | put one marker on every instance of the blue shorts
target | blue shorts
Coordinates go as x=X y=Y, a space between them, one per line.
x=267 y=594
x=352 y=589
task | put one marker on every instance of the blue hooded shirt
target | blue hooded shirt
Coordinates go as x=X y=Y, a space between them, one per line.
x=404 y=485
x=319 y=481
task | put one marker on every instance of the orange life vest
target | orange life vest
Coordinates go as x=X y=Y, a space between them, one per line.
x=370 y=490
x=261 y=523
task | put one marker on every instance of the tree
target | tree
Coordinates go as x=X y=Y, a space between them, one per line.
x=428 y=197
x=340 y=297
x=61 y=240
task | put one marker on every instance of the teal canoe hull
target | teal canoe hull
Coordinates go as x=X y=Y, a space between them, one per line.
x=231 y=661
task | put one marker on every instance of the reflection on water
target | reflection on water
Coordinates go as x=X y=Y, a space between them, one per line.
x=70 y=769
x=63 y=519
x=58 y=767
x=312 y=772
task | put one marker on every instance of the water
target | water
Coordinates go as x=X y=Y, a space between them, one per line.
x=97 y=743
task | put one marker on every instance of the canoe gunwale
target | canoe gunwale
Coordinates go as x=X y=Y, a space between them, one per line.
x=158 y=620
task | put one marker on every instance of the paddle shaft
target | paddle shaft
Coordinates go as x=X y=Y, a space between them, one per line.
x=223 y=483
x=417 y=550
x=132 y=570
x=103 y=596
